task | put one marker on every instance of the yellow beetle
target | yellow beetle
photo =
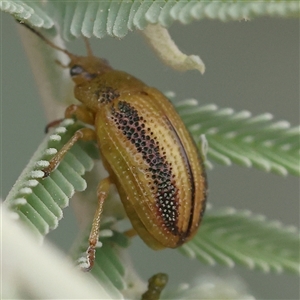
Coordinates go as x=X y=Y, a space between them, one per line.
x=146 y=149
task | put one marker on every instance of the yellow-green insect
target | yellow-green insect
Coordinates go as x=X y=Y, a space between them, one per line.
x=146 y=149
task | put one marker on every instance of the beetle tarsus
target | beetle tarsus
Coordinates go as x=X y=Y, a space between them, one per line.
x=46 y=173
x=91 y=253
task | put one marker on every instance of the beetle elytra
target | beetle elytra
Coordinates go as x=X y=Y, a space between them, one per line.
x=145 y=147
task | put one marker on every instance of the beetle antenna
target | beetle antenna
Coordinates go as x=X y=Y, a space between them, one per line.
x=48 y=41
x=88 y=47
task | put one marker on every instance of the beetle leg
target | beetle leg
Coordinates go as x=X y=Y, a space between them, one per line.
x=81 y=113
x=102 y=192
x=85 y=134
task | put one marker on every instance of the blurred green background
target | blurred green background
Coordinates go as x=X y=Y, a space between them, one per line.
x=250 y=65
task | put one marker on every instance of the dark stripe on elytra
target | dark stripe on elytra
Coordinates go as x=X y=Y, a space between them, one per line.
x=135 y=129
x=191 y=177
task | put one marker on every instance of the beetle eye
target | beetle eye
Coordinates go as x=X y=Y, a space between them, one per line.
x=76 y=70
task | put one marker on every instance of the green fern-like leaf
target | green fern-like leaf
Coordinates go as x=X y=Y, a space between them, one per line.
x=116 y=18
x=232 y=237
x=237 y=137
x=39 y=202
x=32 y=11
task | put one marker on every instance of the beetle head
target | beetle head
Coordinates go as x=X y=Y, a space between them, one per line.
x=86 y=68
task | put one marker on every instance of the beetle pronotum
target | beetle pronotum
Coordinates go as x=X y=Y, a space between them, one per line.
x=146 y=149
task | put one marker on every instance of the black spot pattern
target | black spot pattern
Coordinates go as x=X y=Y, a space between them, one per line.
x=134 y=127
x=106 y=95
